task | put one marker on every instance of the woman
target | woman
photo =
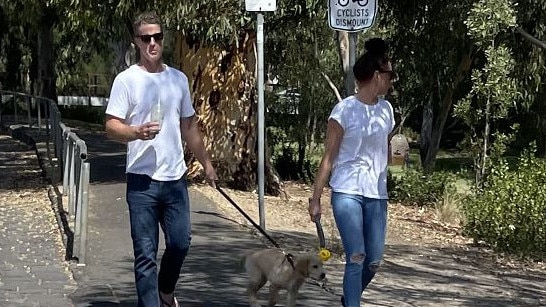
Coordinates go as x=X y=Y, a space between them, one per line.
x=356 y=154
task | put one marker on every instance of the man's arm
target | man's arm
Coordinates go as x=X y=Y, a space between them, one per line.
x=116 y=129
x=194 y=141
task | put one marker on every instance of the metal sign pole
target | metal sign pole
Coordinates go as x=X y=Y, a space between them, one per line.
x=261 y=119
x=350 y=80
x=260 y=6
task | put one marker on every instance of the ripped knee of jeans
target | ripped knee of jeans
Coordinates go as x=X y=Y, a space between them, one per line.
x=374 y=266
x=357 y=258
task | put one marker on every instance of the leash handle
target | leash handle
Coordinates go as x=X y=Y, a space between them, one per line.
x=324 y=253
x=247 y=217
x=320 y=232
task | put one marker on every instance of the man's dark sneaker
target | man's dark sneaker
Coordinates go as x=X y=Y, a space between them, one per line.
x=342 y=301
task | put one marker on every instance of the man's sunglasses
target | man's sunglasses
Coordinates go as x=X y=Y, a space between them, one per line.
x=392 y=74
x=146 y=38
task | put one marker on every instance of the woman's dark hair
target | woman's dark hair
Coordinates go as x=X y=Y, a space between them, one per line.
x=374 y=59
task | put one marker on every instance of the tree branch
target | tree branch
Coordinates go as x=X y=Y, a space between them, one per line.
x=531 y=38
x=332 y=86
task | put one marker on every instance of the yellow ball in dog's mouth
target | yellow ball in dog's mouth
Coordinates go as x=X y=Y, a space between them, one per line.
x=324 y=254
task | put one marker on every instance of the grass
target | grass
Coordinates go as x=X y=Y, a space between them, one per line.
x=84 y=125
x=448 y=208
x=449 y=161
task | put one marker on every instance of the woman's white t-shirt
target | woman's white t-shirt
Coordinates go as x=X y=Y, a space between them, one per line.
x=361 y=164
x=133 y=94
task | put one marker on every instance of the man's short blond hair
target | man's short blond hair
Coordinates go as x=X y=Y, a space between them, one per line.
x=146 y=18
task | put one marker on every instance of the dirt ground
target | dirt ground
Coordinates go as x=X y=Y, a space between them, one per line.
x=406 y=224
x=427 y=262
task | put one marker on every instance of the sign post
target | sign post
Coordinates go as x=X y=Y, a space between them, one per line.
x=260 y=6
x=351 y=16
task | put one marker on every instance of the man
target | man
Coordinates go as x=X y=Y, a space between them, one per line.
x=156 y=189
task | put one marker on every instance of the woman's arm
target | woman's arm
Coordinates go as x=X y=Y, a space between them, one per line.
x=334 y=135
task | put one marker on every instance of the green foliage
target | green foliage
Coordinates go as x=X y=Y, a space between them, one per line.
x=76 y=81
x=487 y=18
x=430 y=46
x=493 y=93
x=286 y=165
x=510 y=211
x=410 y=134
x=414 y=188
x=285 y=156
x=94 y=115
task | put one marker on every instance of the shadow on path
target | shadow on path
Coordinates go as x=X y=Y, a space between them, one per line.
x=412 y=275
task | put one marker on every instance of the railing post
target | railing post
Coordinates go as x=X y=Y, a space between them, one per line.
x=71 y=181
x=15 y=109
x=70 y=154
x=48 y=116
x=83 y=214
x=29 y=118
x=38 y=105
x=65 y=160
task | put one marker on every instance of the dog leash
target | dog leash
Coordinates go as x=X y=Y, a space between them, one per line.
x=324 y=253
x=288 y=256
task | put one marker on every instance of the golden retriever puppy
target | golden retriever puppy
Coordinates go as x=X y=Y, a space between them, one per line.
x=273 y=266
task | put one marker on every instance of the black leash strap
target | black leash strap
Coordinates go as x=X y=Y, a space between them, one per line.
x=288 y=256
x=320 y=232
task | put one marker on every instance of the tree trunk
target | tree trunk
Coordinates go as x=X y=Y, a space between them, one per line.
x=222 y=83
x=14 y=63
x=426 y=131
x=47 y=78
x=485 y=150
x=344 y=59
x=431 y=149
x=538 y=111
x=125 y=56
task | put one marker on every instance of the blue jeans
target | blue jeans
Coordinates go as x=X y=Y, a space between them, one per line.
x=153 y=203
x=362 y=225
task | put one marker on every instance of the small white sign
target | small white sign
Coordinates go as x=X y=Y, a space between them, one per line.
x=260 y=5
x=351 y=15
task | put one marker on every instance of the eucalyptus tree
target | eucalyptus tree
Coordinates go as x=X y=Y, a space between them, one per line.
x=493 y=91
x=22 y=37
x=305 y=62
x=432 y=56
x=11 y=48
x=87 y=30
x=528 y=40
x=48 y=38
x=215 y=47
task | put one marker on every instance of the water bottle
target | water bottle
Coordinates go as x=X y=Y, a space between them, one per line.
x=157 y=113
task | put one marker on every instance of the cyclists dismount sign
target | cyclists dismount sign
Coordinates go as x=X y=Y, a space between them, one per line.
x=351 y=15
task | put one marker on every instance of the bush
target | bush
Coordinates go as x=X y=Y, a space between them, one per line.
x=88 y=114
x=448 y=208
x=414 y=188
x=287 y=166
x=510 y=211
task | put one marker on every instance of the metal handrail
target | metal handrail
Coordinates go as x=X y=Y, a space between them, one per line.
x=69 y=154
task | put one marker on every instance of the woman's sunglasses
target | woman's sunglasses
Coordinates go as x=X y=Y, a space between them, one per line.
x=147 y=38
x=392 y=74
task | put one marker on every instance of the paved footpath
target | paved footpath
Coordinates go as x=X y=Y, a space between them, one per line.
x=32 y=267
x=33 y=273
x=211 y=275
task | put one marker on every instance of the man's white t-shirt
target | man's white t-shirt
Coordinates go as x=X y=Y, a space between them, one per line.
x=133 y=94
x=361 y=164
